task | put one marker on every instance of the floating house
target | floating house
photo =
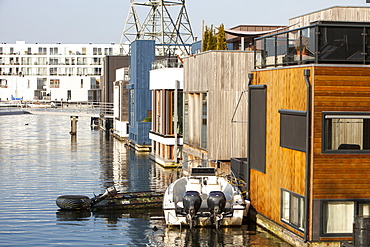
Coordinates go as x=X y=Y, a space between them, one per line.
x=120 y=104
x=309 y=135
x=215 y=99
x=213 y=85
x=166 y=84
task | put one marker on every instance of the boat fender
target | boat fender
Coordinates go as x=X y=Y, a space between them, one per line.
x=73 y=202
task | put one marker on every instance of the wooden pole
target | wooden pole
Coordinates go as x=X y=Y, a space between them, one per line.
x=74 y=120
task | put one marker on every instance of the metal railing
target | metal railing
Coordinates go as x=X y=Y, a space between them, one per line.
x=93 y=109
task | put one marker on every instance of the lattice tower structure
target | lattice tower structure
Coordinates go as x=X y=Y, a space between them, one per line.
x=165 y=21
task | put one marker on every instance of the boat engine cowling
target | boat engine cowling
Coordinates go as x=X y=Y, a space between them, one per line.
x=216 y=201
x=192 y=202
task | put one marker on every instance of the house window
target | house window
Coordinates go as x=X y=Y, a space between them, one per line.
x=186 y=117
x=338 y=217
x=204 y=121
x=346 y=132
x=292 y=209
x=293 y=129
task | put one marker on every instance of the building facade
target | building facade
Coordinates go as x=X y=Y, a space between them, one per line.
x=166 y=84
x=213 y=85
x=308 y=141
x=53 y=71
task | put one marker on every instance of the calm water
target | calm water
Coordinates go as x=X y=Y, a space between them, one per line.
x=40 y=161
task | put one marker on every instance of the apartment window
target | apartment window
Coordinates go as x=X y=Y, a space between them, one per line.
x=53 y=50
x=54 y=83
x=53 y=71
x=82 y=83
x=292 y=209
x=97 y=60
x=97 y=71
x=293 y=129
x=53 y=61
x=345 y=132
x=96 y=51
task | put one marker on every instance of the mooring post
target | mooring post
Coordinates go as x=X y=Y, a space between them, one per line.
x=74 y=120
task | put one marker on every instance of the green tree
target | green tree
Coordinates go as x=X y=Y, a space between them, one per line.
x=221 y=38
x=213 y=41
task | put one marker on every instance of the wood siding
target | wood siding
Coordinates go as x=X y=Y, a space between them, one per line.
x=332 y=176
x=339 y=176
x=222 y=75
x=285 y=168
x=347 y=14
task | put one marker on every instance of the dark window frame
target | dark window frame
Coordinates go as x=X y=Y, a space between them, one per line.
x=301 y=199
x=356 y=210
x=326 y=115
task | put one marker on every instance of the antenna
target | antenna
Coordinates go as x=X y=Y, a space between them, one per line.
x=171 y=35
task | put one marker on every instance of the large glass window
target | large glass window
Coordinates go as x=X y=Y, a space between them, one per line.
x=346 y=132
x=292 y=209
x=338 y=217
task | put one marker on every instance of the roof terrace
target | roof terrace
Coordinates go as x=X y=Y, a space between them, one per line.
x=321 y=42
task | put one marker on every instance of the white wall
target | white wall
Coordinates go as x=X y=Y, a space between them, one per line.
x=165 y=78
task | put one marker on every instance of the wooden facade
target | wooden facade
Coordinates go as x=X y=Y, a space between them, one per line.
x=213 y=85
x=348 y=14
x=329 y=176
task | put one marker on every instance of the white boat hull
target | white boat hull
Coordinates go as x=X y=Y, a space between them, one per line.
x=202 y=186
x=236 y=219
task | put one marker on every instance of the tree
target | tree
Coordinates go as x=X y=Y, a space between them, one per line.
x=213 y=41
x=221 y=38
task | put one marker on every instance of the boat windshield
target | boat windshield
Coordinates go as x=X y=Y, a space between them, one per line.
x=203 y=171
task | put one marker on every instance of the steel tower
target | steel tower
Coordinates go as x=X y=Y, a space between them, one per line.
x=172 y=35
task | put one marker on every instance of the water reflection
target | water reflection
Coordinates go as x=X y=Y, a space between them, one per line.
x=39 y=161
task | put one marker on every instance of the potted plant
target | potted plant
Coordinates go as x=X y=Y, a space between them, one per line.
x=301 y=46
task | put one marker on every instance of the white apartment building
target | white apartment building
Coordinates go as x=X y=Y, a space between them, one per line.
x=53 y=71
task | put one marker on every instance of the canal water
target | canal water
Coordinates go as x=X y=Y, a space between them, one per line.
x=40 y=160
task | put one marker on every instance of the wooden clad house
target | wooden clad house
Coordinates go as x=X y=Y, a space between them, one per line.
x=213 y=85
x=309 y=131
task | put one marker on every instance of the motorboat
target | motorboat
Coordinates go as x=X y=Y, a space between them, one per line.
x=205 y=197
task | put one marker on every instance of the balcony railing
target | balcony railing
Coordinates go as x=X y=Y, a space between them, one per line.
x=321 y=42
x=167 y=63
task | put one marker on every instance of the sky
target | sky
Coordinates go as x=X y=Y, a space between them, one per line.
x=102 y=21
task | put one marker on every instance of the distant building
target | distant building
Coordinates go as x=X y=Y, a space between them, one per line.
x=53 y=71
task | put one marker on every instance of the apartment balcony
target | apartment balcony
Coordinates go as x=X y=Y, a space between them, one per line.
x=167 y=63
x=321 y=42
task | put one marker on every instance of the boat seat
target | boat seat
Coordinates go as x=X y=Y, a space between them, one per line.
x=194 y=185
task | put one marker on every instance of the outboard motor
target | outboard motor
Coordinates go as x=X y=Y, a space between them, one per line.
x=216 y=202
x=192 y=202
x=109 y=193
